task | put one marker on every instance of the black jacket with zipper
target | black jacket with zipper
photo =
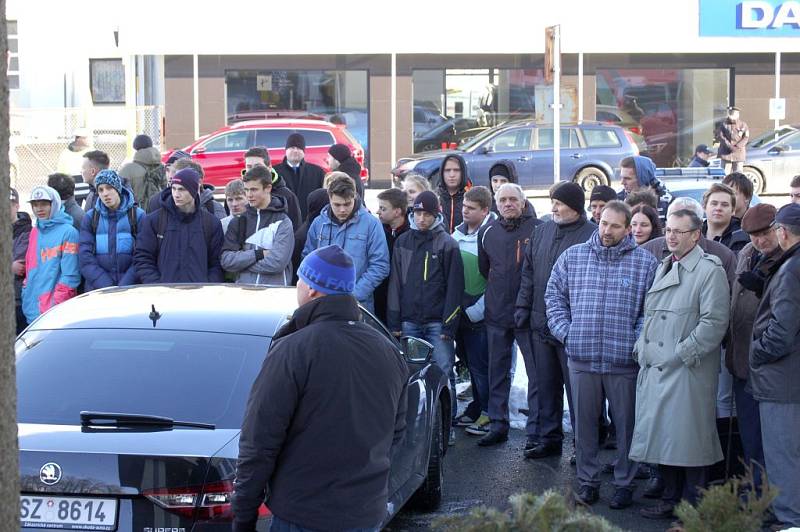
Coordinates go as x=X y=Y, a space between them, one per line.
x=323 y=416
x=427 y=280
x=452 y=203
x=303 y=181
x=501 y=252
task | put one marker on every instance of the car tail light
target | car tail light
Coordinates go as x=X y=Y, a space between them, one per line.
x=637 y=130
x=212 y=501
x=633 y=142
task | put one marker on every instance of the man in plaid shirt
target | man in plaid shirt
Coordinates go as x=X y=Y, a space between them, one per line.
x=595 y=304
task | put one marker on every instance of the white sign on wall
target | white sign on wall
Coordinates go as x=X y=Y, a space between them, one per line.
x=777 y=108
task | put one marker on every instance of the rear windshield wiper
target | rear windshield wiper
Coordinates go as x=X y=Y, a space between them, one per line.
x=116 y=419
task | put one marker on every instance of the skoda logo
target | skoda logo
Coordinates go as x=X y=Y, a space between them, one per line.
x=50 y=473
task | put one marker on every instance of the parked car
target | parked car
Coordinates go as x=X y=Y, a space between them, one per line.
x=610 y=114
x=426 y=118
x=773 y=159
x=221 y=153
x=693 y=182
x=589 y=153
x=131 y=400
x=445 y=132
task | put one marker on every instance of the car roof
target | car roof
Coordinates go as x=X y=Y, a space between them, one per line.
x=223 y=308
x=282 y=122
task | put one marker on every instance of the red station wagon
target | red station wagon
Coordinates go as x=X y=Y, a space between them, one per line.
x=221 y=153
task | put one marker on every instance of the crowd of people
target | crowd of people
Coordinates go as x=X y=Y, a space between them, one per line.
x=669 y=323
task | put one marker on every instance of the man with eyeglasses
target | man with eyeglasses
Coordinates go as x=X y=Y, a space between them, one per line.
x=686 y=316
x=775 y=368
x=794 y=192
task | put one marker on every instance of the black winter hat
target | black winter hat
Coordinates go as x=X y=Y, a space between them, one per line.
x=428 y=202
x=603 y=193
x=571 y=195
x=340 y=152
x=141 y=142
x=499 y=170
x=296 y=140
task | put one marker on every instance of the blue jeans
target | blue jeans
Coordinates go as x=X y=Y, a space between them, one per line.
x=443 y=352
x=279 y=525
x=473 y=342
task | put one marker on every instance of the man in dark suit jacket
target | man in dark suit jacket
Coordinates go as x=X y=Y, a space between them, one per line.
x=300 y=176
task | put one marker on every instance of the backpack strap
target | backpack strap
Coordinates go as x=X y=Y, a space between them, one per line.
x=161 y=229
x=132 y=221
x=95 y=220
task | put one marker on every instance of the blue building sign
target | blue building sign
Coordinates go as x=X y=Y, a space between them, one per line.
x=749 y=18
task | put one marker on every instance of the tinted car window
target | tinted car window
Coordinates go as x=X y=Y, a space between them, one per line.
x=513 y=140
x=188 y=376
x=234 y=141
x=276 y=138
x=600 y=138
x=569 y=139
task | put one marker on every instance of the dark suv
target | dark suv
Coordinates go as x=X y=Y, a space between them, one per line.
x=590 y=152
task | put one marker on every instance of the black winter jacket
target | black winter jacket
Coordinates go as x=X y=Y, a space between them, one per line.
x=548 y=242
x=775 y=351
x=280 y=189
x=351 y=167
x=452 y=203
x=501 y=251
x=733 y=237
x=427 y=280
x=302 y=182
x=323 y=415
x=381 y=293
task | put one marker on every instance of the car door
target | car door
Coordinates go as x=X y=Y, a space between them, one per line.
x=512 y=144
x=410 y=457
x=571 y=154
x=222 y=156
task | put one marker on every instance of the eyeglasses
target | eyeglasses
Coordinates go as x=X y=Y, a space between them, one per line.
x=670 y=231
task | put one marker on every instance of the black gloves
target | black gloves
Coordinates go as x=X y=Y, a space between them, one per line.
x=753 y=281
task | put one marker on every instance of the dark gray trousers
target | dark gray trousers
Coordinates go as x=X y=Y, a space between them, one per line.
x=552 y=376
x=780 y=431
x=501 y=351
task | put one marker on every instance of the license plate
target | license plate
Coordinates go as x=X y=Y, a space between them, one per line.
x=68 y=512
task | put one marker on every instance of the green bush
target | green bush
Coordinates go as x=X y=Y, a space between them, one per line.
x=549 y=511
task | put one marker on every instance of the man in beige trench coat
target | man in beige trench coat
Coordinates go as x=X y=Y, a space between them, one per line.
x=686 y=316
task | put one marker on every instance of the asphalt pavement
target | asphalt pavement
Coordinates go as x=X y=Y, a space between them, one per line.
x=476 y=476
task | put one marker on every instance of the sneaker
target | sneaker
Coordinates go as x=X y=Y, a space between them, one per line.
x=623 y=498
x=493 y=438
x=464 y=421
x=452 y=440
x=480 y=427
x=588 y=495
x=465 y=394
x=661 y=510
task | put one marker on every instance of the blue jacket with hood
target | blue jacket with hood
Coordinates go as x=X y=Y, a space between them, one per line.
x=51 y=262
x=106 y=257
x=361 y=236
x=646 y=174
x=190 y=248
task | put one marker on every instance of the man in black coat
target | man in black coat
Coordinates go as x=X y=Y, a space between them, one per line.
x=568 y=227
x=501 y=246
x=324 y=412
x=300 y=176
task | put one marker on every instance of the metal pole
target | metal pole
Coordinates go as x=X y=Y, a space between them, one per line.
x=556 y=103
x=196 y=96
x=580 y=86
x=777 y=82
x=393 y=120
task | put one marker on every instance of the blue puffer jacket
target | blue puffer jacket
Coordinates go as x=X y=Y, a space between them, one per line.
x=106 y=258
x=189 y=251
x=595 y=302
x=361 y=236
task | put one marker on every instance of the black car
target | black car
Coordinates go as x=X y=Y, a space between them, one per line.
x=130 y=403
x=447 y=132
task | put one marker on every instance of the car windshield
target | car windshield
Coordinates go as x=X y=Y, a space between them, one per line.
x=769 y=136
x=183 y=375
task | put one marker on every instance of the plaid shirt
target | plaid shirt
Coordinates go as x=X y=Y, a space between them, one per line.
x=595 y=301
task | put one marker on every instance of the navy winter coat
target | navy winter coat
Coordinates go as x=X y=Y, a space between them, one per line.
x=190 y=249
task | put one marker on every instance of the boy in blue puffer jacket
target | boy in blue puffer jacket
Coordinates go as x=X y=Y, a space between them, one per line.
x=108 y=235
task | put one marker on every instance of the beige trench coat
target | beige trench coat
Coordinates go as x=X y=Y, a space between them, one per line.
x=686 y=317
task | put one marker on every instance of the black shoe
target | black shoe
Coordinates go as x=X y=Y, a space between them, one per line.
x=654 y=488
x=623 y=497
x=661 y=510
x=642 y=472
x=588 y=495
x=607 y=469
x=493 y=438
x=543 y=450
x=530 y=443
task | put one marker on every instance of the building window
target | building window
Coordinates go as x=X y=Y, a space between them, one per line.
x=339 y=96
x=107 y=80
x=13 y=54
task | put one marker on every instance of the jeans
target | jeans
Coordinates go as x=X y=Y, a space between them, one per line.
x=279 y=525
x=471 y=340
x=443 y=353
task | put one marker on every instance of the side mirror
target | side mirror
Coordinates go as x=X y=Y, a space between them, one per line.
x=483 y=150
x=199 y=149
x=416 y=351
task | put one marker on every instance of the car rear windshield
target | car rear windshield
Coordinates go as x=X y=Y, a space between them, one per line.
x=187 y=376
x=276 y=138
x=601 y=138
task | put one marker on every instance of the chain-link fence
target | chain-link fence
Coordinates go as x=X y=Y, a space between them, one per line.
x=39 y=137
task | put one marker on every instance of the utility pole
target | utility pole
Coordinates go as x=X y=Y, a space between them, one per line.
x=552 y=68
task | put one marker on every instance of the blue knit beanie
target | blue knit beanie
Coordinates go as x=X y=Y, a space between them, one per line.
x=328 y=270
x=109 y=177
